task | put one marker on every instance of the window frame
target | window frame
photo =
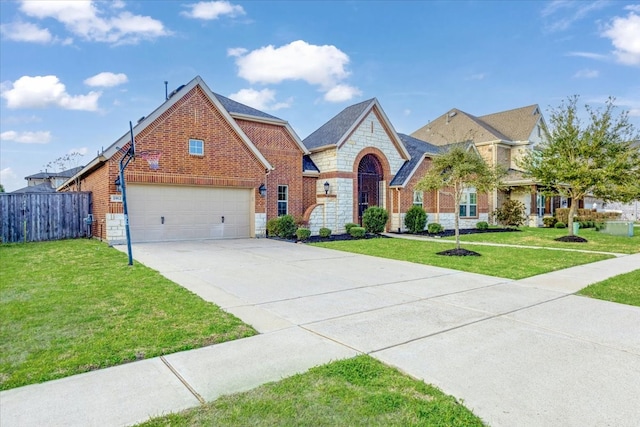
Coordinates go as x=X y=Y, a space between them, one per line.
x=192 y=145
x=420 y=196
x=467 y=205
x=282 y=190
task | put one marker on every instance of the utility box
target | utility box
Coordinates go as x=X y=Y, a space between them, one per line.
x=618 y=228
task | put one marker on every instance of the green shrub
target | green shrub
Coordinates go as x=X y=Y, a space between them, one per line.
x=303 y=233
x=357 y=232
x=560 y=224
x=434 y=228
x=374 y=219
x=415 y=219
x=512 y=213
x=273 y=227
x=599 y=226
x=324 y=232
x=287 y=227
x=348 y=226
x=549 y=221
x=482 y=225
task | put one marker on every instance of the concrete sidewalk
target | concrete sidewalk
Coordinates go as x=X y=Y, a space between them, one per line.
x=522 y=352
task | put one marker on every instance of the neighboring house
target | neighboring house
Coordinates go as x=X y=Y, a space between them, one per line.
x=47 y=182
x=215 y=156
x=501 y=139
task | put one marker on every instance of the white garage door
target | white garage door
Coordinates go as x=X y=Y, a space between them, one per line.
x=165 y=212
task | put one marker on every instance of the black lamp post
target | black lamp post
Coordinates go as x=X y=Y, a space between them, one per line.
x=326 y=187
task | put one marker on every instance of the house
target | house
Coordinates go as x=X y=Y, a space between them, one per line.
x=47 y=182
x=219 y=169
x=501 y=139
x=367 y=163
x=213 y=157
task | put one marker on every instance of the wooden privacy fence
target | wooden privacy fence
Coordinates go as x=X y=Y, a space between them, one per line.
x=33 y=217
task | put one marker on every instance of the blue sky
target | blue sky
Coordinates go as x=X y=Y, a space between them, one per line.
x=73 y=74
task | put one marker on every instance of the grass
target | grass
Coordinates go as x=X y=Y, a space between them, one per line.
x=73 y=306
x=495 y=261
x=624 y=289
x=354 y=392
x=531 y=236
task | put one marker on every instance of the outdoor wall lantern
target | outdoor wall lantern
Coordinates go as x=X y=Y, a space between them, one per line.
x=326 y=187
x=262 y=190
x=118 y=186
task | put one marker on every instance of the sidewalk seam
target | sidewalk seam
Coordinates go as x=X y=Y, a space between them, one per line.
x=182 y=380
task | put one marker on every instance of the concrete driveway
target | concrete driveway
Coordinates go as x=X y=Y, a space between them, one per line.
x=526 y=353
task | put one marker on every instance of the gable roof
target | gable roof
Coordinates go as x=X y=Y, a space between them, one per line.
x=336 y=131
x=175 y=96
x=64 y=174
x=458 y=126
x=418 y=149
x=44 y=187
x=516 y=124
x=234 y=107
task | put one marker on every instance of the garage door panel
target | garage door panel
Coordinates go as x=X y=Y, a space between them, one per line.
x=190 y=213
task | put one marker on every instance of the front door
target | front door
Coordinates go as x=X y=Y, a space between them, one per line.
x=369 y=177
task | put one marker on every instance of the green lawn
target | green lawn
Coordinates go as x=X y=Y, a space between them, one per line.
x=75 y=305
x=495 y=261
x=624 y=289
x=353 y=392
x=597 y=241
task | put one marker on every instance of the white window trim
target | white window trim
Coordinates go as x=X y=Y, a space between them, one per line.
x=196 y=140
x=466 y=202
x=285 y=201
x=418 y=198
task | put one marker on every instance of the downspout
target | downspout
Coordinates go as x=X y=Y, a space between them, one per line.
x=494 y=193
x=438 y=206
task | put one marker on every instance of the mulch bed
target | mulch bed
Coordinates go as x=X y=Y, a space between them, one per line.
x=571 y=239
x=458 y=252
x=463 y=231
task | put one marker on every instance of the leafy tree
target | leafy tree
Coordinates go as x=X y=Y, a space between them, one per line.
x=455 y=169
x=598 y=158
x=1 y=188
x=62 y=163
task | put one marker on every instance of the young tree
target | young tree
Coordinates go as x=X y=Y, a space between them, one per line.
x=1 y=188
x=598 y=158
x=459 y=167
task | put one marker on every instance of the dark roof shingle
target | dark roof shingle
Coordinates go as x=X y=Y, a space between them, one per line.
x=417 y=149
x=332 y=131
x=235 y=107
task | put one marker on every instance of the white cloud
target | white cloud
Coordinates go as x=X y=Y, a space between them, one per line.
x=561 y=14
x=260 y=99
x=406 y=112
x=625 y=37
x=209 y=10
x=589 y=55
x=586 y=74
x=26 y=32
x=46 y=91
x=299 y=60
x=39 y=137
x=236 y=51
x=86 y=20
x=323 y=66
x=106 y=79
x=340 y=93
x=633 y=7
x=7 y=173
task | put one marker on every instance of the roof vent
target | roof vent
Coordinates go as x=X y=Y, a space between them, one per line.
x=176 y=90
x=452 y=113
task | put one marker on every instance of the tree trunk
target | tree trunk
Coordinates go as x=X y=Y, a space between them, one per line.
x=572 y=211
x=457 y=223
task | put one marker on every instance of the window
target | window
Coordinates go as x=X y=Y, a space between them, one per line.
x=540 y=204
x=196 y=147
x=417 y=198
x=469 y=203
x=283 y=199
